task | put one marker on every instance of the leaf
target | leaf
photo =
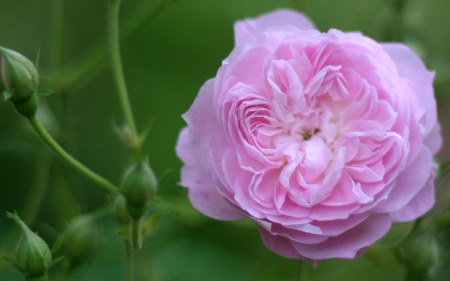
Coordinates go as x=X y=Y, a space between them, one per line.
x=7 y=95
x=149 y=224
x=6 y=258
x=46 y=92
x=124 y=232
x=58 y=243
x=143 y=136
x=55 y=261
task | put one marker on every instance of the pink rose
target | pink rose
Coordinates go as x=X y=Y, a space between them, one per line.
x=322 y=139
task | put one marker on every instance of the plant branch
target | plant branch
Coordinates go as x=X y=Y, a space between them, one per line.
x=117 y=67
x=40 y=130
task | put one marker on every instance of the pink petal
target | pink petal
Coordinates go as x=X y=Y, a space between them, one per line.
x=349 y=244
x=202 y=191
x=419 y=205
x=202 y=123
x=408 y=183
x=250 y=28
x=282 y=246
x=434 y=140
x=412 y=68
x=211 y=203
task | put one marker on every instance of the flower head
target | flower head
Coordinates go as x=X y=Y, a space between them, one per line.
x=322 y=139
x=19 y=78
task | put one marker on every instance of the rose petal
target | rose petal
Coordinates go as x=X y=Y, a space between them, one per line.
x=419 y=205
x=412 y=68
x=202 y=192
x=282 y=246
x=348 y=244
x=202 y=123
x=408 y=183
x=244 y=31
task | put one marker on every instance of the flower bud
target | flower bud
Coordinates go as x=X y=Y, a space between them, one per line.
x=139 y=188
x=33 y=257
x=83 y=240
x=19 y=78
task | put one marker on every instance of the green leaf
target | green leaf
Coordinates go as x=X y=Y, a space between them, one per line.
x=7 y=95
x=149 y=224
x=55 y=261
x=46 y=92
x=124 y=232
x=6 y=258
x=143 y=136
x=58 y=243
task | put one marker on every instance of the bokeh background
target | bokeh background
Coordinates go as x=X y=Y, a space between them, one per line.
x=166 y=60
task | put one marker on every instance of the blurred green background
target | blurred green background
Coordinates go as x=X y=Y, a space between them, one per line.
x=166 y=61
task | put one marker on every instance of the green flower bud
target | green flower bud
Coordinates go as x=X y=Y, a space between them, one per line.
x=19 y=78
x=120 y=209
x=84 y=238
x=139 y=188
x=33 y=257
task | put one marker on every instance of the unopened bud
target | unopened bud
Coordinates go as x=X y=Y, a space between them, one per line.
x=83 y=240
x=139 y=188
x=33 y=257
x=19 y=78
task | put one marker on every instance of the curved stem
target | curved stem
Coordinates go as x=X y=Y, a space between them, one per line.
x=117 y=67
x=128 y=260
x=68 y=158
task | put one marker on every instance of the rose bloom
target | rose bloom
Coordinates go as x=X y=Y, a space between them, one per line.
x=322 y=139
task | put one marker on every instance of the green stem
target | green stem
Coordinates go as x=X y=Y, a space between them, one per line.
x=136 y=239
x=92 y=63
x=128 y=260
x=117 y=67
x=40 y=130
